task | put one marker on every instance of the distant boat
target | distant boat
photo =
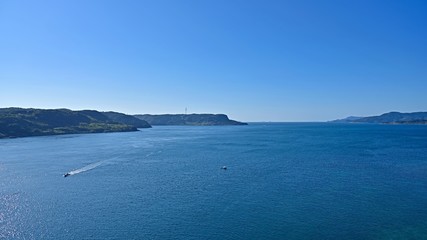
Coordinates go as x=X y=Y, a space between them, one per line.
x=67 y=174
x=224 y=167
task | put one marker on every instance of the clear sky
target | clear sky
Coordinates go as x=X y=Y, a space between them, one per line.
x=253 y=60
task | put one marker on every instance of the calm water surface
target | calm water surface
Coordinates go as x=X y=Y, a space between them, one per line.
x=284 y=181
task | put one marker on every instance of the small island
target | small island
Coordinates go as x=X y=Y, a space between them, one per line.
x=189 y=119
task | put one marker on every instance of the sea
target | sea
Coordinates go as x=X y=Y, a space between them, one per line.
x=282 y=181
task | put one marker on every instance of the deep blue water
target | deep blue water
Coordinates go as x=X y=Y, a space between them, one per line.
x=284 y=181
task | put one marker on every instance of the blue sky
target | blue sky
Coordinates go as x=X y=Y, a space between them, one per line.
x=253 y=60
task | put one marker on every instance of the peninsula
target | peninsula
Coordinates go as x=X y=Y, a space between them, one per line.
x=189 y=119
x=26 y=122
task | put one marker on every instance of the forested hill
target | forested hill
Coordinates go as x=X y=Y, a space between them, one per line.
x=24 y=122
x=127 y=119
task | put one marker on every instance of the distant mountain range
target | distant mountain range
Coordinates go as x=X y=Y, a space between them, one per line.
x=389 y=118
x=189 y=119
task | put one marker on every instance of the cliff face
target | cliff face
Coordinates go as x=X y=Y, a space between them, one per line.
x=189 y=119
x=21 y=122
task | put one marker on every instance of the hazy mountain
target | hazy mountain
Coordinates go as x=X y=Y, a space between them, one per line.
x=347 y=119
x=390 y=118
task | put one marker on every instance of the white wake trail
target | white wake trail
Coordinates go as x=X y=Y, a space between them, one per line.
x=85 y=168
x=97 y=164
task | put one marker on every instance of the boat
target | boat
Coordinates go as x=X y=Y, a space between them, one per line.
x=67 y=174
x=224 y=167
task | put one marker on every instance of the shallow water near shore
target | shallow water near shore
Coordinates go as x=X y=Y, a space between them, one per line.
x=283 y=181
